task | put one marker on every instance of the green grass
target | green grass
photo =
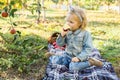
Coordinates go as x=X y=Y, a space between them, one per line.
x=106 y=30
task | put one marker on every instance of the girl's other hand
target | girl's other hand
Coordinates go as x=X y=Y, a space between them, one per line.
x=75 y=59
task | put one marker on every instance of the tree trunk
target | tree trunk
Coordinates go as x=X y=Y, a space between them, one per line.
x=44 y=16
x=38 y=10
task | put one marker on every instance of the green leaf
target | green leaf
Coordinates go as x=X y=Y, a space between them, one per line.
x=39 y=47
x=10 y=7
x=20 y=69
x=1 y=3
x=14 y=24
x=32 y=11
x=19 y=33
x=5 y=8
x=12 y=2
x=34 y=4
x=55 y=1
x=1 y=34
x=15 y=37
x=12 y=12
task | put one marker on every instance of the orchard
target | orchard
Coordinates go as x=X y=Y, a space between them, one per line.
x=25 y=26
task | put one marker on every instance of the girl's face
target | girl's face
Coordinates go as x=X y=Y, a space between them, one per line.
x=73 y=22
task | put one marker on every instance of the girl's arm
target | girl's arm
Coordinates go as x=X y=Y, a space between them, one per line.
x=87 y=47
x=60 y=40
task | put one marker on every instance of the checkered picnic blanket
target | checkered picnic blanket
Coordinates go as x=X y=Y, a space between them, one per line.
x=61 y=72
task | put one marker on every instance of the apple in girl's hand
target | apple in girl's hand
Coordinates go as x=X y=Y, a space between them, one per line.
x=66 y=29
x=13 y=31
x=4 y=14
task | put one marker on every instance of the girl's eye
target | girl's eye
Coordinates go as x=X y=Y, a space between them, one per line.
x=71 y=22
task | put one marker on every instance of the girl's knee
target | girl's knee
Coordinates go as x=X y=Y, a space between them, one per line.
x=73 y=66
x=55 y=59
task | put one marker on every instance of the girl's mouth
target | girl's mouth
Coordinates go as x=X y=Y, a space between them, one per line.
x=68 y=29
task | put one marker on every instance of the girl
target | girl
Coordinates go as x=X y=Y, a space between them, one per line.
x=78 y=42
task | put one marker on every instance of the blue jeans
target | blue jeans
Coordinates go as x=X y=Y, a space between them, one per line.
x=66 y=60
x=79 y=65
x=62 y=60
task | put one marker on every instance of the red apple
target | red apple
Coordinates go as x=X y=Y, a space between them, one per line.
x=66 y=29
x=4 y=14
x=12 y=31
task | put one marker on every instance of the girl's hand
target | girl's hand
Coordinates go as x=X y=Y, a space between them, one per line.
x=64 y=32
x=75 y=59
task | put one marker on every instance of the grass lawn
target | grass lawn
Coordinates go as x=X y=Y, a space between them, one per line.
x=104 y=27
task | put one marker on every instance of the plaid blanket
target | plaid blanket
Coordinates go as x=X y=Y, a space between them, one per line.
x=61 y=72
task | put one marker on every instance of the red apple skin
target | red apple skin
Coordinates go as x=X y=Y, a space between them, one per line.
x=12 y=31
x=4 y=14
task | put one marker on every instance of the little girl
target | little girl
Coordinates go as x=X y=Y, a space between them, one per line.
x=78 y=42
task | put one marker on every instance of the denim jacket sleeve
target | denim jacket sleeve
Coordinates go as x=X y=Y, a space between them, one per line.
x=60 y=40
x=86 y=48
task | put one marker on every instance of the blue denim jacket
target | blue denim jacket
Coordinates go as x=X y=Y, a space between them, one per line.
x=78 y=44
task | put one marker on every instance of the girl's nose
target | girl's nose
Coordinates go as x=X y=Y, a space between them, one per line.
x=67 y=24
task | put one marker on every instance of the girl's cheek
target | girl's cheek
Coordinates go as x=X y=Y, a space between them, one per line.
x=72 y=25
x=68 y=24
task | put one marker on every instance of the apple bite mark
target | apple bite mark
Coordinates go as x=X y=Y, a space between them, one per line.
x=68 y=29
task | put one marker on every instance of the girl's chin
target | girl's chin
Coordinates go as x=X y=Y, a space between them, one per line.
x=73 y=29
